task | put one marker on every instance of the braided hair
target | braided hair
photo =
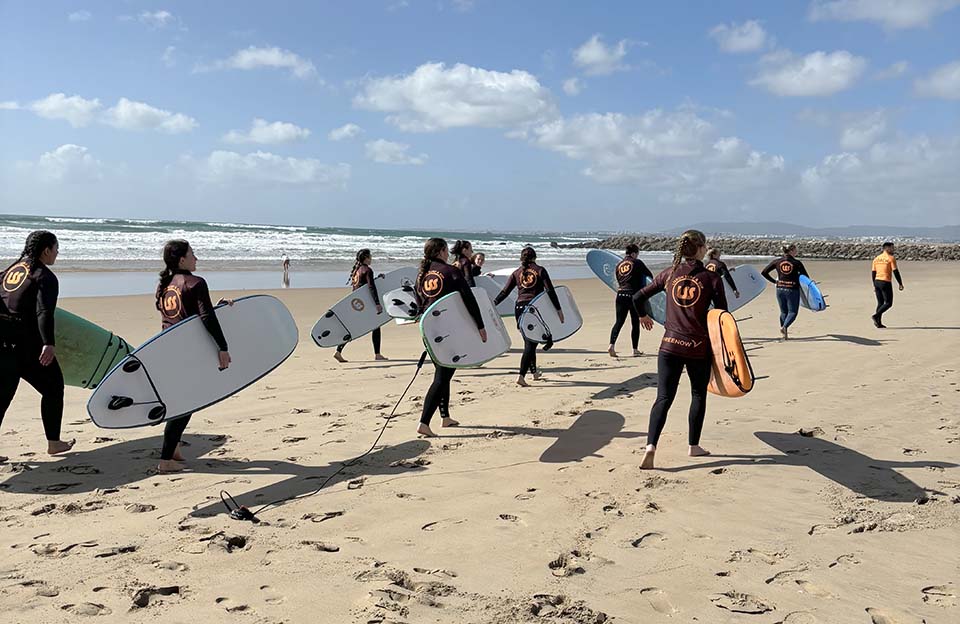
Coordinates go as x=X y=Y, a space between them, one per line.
x=528 y=255
x=37 y=242
x=687 y=246
x=173 y=252
x=431 y=253
x=362 y=255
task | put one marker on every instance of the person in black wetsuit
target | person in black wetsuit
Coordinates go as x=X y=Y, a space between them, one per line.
x=686 y=341
x=362 y=276
x=180 y=295
x=530 y=279
x=462 y=253
x=28 y=302
x=718 y=266
x=437 y=279
x=631 y=273
x=789 y=270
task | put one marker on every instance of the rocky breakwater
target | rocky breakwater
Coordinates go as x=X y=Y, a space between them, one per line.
x=829 y=249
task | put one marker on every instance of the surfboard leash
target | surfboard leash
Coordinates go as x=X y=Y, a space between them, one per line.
x=241 y=512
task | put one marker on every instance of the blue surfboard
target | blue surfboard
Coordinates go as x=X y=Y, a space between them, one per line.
x=810 y=296
x=603 y=263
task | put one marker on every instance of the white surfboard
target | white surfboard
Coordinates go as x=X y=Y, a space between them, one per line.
x=356 y=314
x=503 y=272
x=493 y=286
x=176 y=372
x=750 y=284
x=450 y=334
x=541 y=323
x=401 y=304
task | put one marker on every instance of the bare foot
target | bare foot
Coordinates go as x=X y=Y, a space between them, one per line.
x=167 y=466
x=379 y=358
x=612 y=351
x=697 y=451
x=537 y=375
x=177 y=455
x=522 y=382
x=637 y=353
x=425 y=431
x=338 y=357
x=449 y=422
x=55 y=447
x=647 y=463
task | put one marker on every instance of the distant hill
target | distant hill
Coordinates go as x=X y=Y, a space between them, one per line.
x=944 y=233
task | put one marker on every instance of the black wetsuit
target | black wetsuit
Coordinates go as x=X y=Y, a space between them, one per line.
x=364 y=277
x=440 y=280
x=720 y=268
x=686 y=341
x=789 y=270
x=469 y=269
x=530 y=281
x=186 y=295
x=28 y=301
x=631 y=273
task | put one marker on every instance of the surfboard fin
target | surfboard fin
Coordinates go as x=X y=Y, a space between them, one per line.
x=119 y=402
x=157 y=413
x=131 y=366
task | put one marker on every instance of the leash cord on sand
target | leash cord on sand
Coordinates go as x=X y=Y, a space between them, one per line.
x=240 y=512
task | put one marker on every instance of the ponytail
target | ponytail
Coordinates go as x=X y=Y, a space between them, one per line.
x=687 y=246
x=37 y=242
x=173 y=252
x=527 y=256
x=362 y=255
x=786 y=248
x=457 y=250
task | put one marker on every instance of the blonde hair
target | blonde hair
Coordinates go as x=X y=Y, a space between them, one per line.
x=788 y=247
x=687 y=245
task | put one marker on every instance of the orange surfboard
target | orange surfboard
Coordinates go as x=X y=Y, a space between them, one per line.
x=730 y=371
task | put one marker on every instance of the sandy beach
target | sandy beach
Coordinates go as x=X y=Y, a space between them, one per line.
x=534 y=510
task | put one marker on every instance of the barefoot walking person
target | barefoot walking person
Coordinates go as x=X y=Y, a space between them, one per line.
x=435 y=280
x=690 y=290
x=884 y=269
x=28 y=301
x=362 y=276
x=789 y=270
x=181 y=294
x=631 y=273
x=718 y=266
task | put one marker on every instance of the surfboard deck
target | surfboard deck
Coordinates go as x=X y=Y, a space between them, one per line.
x=356 y=314
x=750 y=284
x=730 y=372
x=810 y=296
x=175 y=373
x=450 y=334
x=493 y=286
x=603 y=263
x=86 y=352
x=541 y=323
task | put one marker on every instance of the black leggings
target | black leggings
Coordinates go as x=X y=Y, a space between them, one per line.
x=884 y=292
x=172 y=432
x=376 y=342
x=17 y=364
x=669 y=369
x=438 y=396
x=528 y=361
x=626 y=306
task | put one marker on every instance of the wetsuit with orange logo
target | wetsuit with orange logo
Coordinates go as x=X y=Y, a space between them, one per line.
x=364 y=277
x=438 y=281
x=789 y=270
x=883 y=271
x=631 y=274
x=690 y=289
x=529 y=280
x=720 y=268
x=29 y=296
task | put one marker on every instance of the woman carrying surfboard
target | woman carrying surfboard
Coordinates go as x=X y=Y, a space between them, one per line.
x=718 y=266
x=530 y=279
x=631 y=275
x=690 y=290
x=435 y=280
x=462 y=253
x=180 y=295
x=362 y=276
x=789 y=270
x=28 y=302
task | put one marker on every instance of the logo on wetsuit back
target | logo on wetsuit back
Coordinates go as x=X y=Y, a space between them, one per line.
x=432 y=283
x=170 y=304
x=625 y=268
x=686 y=291
x=786 y=267
x=712 y=266
x=15 y=277
x=357 y=304
x=528 y=278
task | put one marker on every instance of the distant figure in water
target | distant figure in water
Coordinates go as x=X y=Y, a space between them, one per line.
x=285 y=260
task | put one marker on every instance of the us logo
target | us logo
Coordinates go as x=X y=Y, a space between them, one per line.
x=170 y=303
x=786 y=268
x=15 y=277
x=686 y=291
x=528 y=278
x=624 y=269
x=357 y=304
x=432 y=283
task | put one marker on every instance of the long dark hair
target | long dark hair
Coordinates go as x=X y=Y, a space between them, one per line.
x=173 y=252
x=632 y=248
x=687 y=246
x=37 y=242
x=362 y=255
x=527 y=256
x=431 y=253
x=457 y=250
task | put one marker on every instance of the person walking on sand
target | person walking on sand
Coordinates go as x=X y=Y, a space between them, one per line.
x=718 y=266
x=361 y=276
x=884 y=269
x=789 y=270
x=631 y=274
x=690 y=290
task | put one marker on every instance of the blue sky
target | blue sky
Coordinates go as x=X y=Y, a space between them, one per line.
x=484 y=114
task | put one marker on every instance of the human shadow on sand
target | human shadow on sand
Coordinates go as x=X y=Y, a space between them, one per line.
x=857 y=340
x=634 y=384
x=593 y=430
x=869 y=477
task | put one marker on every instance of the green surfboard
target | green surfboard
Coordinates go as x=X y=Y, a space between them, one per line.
x=86 y=352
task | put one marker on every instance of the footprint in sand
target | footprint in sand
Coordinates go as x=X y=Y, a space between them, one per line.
x=845 y=561
x=173 y=566
x=882 y=616
x=232 y=606
x=799 y=617
x=320 y=546
x=659 y=601
x=812 y=589
x=526 y=495
x=436 y=572
x=648 y=539
x=439 y=524
x=940 y=595
x=567 y=564
x=271 y=597
x=41 y=588
x=739 y=602
x=786 y=576
x=87 y=608
x=509 y=518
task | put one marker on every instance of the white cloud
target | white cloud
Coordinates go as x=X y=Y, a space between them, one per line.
x=267 y=133
x=391 y=153
x=864 y=131
x=9 y=105
x=258 y=58
x=80 y=16
x=347 y=131
x=434 y=97
x=463 y=5
x=77 y=111
x=69 y=164
x=596 y=58
x=225 y=167
x=891 y=14
x=572 y=86
x=130 y=115
x=168 y=57
x=943 y=82
x=894 y=71
x=816 y=74
x=737 y=38
x=156 y=19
